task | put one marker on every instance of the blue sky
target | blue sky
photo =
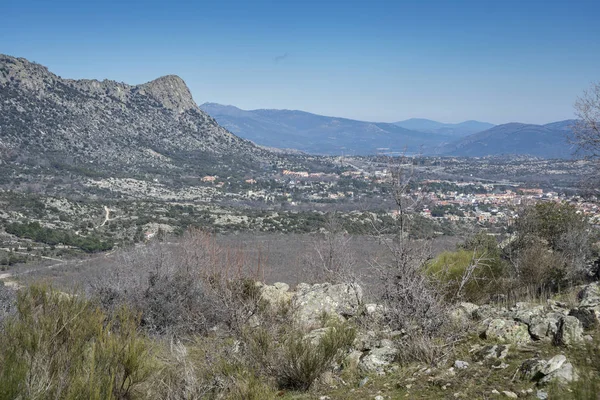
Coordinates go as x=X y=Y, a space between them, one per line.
x=491 y=60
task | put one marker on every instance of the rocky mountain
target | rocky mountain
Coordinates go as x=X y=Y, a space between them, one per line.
x=457 y=130
x=111 y=126
x=547 y=141
x=320 y=134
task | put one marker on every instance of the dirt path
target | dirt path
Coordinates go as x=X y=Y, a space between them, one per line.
x=107 y=215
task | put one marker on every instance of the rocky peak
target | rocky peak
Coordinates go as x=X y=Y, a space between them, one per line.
x=171 y=91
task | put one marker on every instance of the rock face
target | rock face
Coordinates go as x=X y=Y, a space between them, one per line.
x=311 y=302
x=109 y=125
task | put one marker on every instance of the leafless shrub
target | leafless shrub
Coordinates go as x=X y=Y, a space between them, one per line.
x=185 y=287
x=412 y=300
x=330 y=257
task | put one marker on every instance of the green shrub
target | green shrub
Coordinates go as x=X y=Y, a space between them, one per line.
x=61 y=346
x=305 y=360
x=452 y=270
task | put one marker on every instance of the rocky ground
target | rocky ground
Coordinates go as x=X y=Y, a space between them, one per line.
x=536 y=350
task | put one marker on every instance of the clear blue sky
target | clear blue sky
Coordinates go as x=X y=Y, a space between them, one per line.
x=491 y=60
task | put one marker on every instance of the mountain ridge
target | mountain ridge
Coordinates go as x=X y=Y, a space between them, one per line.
x=111 y=125
x=314 y=133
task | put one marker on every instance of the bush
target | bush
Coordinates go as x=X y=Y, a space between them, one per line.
x=304 y=360
x=61 y=346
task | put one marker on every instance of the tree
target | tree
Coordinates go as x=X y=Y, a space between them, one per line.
x=586 y=132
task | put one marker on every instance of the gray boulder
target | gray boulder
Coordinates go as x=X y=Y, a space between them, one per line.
x=570 y=331
x=378 y=359
x=506 y=331
x=589 y=296
x=493 y=352
x=311 y=302
x=541 y=371
x=587 y=317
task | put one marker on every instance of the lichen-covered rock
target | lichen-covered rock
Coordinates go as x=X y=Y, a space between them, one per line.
x=542 y=371
x=544 y=327
x=587 y=317
x=275 y=296
x=311 y=302
x=487 y=311
x=589 y=296
x=526 y=312
x=506 y=331
x=493 y=352
x=377 y=359
x=570 y=331
x=463 y=312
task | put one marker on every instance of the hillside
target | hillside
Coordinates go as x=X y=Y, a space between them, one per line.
x=110 y=126
x=457 y=130
x=547 y=141
x=319 y=134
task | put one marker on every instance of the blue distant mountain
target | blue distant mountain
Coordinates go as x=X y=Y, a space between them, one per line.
x=547 y=141
x=457 y=130
x=319 y=134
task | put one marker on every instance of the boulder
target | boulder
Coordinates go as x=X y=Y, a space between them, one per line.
x=376 y=360
x=544 y=327
x=490 y=352
x=275 y=296
x=587 y=317
x=506 y=331
x=311 y=302
x=589 y=296
x=463 y=312
x=541 y=371
x=526 y=312
x=487 y=311
x=570 y=331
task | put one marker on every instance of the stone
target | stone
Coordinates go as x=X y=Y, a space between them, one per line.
x=558 y=369
x=587 y=317
x=377 y=359
x=495 y=351
x=378 y=397
x=365 y=341
x=458 y=364
x=487 y=311
x=311 y=302
x=542 y=371
x=507 y=331
x=570 y=331
x=509 y=394
x=541 y=395
x=525 y=312
x=589 y=296
x=275 y=296
x=544 y=327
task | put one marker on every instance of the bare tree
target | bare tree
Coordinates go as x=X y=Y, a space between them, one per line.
x=331 y=256
x=411 y=299
x=586 y=132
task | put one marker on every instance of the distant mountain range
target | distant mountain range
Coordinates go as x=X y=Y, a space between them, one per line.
x=457 y=130
x=319 y=134
x=547 y=141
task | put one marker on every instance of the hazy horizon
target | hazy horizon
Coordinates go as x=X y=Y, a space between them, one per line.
x=381 y=61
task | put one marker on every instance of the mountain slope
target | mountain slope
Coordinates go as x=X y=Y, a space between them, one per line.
x=110 y=126
x=548 y=141
x=319 y=134
x=458 y=130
